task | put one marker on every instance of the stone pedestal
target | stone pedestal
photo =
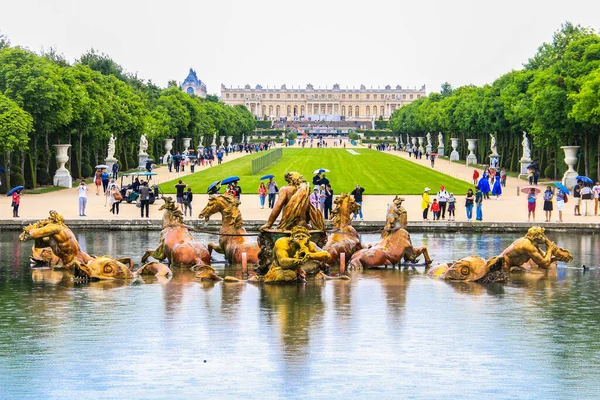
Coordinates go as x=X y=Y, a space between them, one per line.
x=454 y=156
x=62 y=176
x=168 y=148
x=569 y=178
x=524 y=164
x=494 y=160
x=472 y=158
x=428 y=149
x=142 y=160
x=441 y=150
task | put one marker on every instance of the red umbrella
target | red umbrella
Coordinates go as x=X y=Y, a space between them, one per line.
x=527 y=189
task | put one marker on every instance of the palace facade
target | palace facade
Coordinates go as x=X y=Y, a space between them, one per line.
x=193 y=85
x=332 y=104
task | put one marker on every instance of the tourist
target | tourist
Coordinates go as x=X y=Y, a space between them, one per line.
x=586 y=198
x=425 y=202
x=314 y=198
x=323 y=181
x=272 y=190
x=115 y=170
x=561 y=199
x=149 y=167
x=170 y=162
x=322 y=198
x=114 y=197
x=98 y=181
x=262 y=194
x=577 y=197
x=478 y=205
x=530 y=175
x=484 y=186
x=531 y=201
x=220 y=157
x=180 y=187
x=144 y=198
x=435 y=209
x=193 y=161
x=16 y=202
x=475 y=177
x=316 y=179
x=432 y=158
x=596 y=190
x=237 y=191
x=177 y=161
x=211 y=158
x=497 y=189
x=357 y=193
x=82 y=190
x=469 y=201
x=105 y=178
x=503 y=177
x=328 y=200
x=451 y=207
x=548 y=196
x=187 y=201
x=442 y=198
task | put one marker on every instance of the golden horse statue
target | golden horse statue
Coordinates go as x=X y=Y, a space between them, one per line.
x=344 y=238
x=396 y=216
x=394 y=245
x=229 y=244
x=178 y=246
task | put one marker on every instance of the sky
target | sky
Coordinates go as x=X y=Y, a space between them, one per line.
x=323 y=42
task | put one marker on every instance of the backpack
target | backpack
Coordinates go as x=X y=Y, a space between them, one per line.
x=566 y=198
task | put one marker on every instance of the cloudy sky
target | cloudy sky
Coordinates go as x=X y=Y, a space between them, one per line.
x=234 y=42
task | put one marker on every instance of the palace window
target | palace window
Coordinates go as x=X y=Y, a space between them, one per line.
x=277 y=95
x=349 y=111
x=322 y=95
x=350 y=96
x=270 y=95
x=330 y=96
x=343 y=110
x=368 y=110
x=374 y=97
x=403 y=97
x=301 y=96
x=411 y=96
x=227 y=96
x=295 y=96
x=343 y=96
x=289 y=96
x=368 y=96
x=264 y=96
x=277 y=111
x=235 y=95
x=382 y=112
x=356 y=111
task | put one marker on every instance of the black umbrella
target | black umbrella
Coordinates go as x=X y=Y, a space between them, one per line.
x=214 y=187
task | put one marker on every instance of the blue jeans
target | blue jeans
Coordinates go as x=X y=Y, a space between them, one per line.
x=359 y=211
x=469 y=211
x=82 y=204
x=262 y=200
x=479 y=216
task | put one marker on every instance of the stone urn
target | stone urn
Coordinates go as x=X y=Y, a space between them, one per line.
x=472 y=145
x=186 y=143
x=62 y=176
x=421 y=141
x=222 y=140
x=454 y=156
x=168 y=148
x=229 y=139
x=569 y=178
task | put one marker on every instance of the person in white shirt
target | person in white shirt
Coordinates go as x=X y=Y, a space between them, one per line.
x=596 y=190
x=82 y=190
x=586 y=198
x=442 y=198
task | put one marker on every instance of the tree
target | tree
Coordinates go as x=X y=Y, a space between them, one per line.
x=446 y=90
x=15 y=125
x=4 y=42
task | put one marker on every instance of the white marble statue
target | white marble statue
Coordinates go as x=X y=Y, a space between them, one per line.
x=440 y=140
x=143 y=145
x=428 y=138
x=526 y=149
x=493 y=146
x=111 y=147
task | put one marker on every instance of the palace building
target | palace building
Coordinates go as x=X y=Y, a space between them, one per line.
x=333 y=104
x=193 y=85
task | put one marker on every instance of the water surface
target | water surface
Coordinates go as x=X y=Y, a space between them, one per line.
x=386 y=333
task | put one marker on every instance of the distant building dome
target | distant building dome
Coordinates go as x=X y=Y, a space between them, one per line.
x=193 y=85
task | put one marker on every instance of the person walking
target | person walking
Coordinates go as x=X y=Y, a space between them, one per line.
x=432 y=158
x=484 y=186
x=272 y=190
x=435 y=210
x=220 y=157
x=469 y=202
x=503 y=177
x=479 y=205
x=16 y=202
x=586 y=198
x=561 y=199
x=114 y=197
x=531 y=199
x=187 y=201
x=105 y=179
x=328 y=200
x=314 y=198
x=322 y=197
x=425 y=202
x=577 y=197
x=180 y=187
x=475 y=177
x=451 y=207
x=262 y=194
x=442 y=199
x=82 y=191
x=596 y=190
x=357 y=193
x=497 y=189
x=237 y=191
x=115 y=170
x=548 y=196
x=98 y=181
x=145 y=199
x=170 y=162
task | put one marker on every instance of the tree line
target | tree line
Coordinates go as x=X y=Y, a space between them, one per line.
x=45 y=100
x=555 y=98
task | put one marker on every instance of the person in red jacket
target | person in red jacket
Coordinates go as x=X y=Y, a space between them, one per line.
x=435 y=209
x=16 y=201
x=475 y=177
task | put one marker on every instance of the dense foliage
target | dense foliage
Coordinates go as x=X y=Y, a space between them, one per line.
x=44 y=100
x=555 y=98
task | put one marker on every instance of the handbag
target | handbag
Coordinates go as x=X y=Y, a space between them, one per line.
x=117 y=196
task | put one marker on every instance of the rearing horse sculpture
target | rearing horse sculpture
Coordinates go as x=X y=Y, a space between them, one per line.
x=229 y=244
x=178 y=246
x=344 y=239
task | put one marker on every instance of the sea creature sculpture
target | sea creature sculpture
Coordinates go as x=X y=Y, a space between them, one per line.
x=106 y=268
x=344 y=238
x=394 y=245
x=178 y=246
x=294 y=205
x=468 y=269
x=229 y=244
x=291 y=253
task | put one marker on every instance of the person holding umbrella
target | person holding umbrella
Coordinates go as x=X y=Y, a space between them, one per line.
x=561 y=199
x=531 y=201
x=548 y=196
x=15 y=193
x=272 y=190
x=586 y=197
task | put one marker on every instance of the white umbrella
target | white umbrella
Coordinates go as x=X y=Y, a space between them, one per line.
x=101 y=166
x=320 y=171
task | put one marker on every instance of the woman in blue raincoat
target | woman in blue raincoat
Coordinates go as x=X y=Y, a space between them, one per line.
x=484 y=186
x=497 y=189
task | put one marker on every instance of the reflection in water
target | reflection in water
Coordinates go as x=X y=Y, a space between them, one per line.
x=320 y=339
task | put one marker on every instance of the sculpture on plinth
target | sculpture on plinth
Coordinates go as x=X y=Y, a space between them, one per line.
x=441 y=146
x=62 y=176
x=142 y=154
x=526 y=159
x=454 y=156
x=110 y=157
x=231 y=245
x=429 y=146
x=494 y=157
x=179 y=247
x=344 y=238
x=472 y=145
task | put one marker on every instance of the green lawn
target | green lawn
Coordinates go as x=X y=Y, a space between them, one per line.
x=378 y=172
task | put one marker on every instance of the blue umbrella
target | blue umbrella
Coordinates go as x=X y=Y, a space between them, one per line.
x=230 y=180
x=585 y=179
x=2 y=170
x=213 y=188
x=267 y=177
x=11 y=191
x=562 y=187
x=320 y=171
